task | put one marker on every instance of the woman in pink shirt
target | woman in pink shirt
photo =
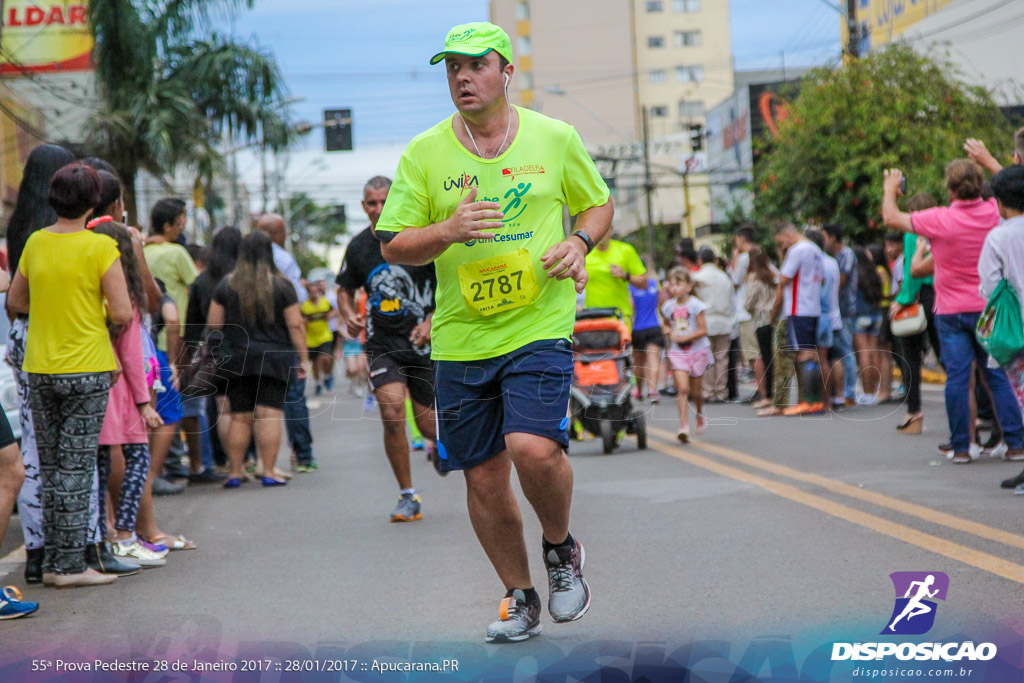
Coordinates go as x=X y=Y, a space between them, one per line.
x=957 y=234
x=129 y=412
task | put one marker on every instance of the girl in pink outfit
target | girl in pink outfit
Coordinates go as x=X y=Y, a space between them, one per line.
x=129 y=412
x=689 y=353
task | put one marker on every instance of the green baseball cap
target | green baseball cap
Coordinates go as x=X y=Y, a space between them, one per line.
x=475 y=39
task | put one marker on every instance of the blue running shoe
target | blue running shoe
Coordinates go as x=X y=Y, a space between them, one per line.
x=12 y=606
x=329 y=383
x=417 y=443
x=369 y=402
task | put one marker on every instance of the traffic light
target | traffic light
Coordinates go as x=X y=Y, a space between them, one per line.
x=696 y=137
x=338 y=130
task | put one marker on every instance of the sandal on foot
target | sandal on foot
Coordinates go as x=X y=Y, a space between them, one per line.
x=178 y=542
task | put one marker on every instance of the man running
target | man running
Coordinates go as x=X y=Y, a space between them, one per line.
x=505 y=309
x=400 y=301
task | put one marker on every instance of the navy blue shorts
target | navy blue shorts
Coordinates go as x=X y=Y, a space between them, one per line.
x=479 y=402
x=802 y=333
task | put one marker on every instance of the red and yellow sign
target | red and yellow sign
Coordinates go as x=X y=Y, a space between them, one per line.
x=45 y=36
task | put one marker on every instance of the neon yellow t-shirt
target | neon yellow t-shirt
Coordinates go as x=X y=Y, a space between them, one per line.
x=603 y=288
x=545 y=168
x=317 y=330
x=68 y=318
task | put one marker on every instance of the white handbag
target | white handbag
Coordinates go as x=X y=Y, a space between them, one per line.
x=909 y=321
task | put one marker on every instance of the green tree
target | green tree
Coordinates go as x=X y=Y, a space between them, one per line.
x=310 y=222
x=892 y=109
x=665 y=240
x=170 y=88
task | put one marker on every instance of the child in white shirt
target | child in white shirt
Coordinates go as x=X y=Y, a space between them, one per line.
x=689 y=351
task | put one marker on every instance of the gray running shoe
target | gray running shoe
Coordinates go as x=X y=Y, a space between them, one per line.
x=569 y=595
x=518 y=620
x=408 y=509
x=162 y=487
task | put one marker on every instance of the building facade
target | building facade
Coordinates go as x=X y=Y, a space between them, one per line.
x=601 y=65
x=981 y=37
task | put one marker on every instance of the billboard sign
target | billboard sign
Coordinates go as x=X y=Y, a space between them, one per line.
x=45 y=37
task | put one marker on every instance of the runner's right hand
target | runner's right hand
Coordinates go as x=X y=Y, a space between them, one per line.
x=355 y=324
x=472 y=218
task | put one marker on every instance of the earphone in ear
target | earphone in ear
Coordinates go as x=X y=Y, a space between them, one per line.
x=506 y=80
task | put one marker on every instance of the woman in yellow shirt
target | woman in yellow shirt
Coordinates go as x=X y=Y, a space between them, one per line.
x=70 y=283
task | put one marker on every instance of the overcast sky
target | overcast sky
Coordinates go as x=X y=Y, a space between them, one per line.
x=371 y=55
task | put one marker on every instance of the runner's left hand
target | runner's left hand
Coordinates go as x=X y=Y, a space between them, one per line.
x=567 y=259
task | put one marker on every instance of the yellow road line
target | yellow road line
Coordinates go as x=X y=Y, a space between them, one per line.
x=954 y=551
x=881 y=500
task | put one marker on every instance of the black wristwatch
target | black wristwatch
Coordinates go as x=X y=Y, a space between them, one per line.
x=586 y=239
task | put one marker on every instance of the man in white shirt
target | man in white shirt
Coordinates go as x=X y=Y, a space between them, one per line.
x=798 y=300
x=1002 y=256
x=715 y=289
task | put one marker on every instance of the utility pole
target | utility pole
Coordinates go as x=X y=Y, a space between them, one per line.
x=686 y=203
x=648 y=187
x=852 y=30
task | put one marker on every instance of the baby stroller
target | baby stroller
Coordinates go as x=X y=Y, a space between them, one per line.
x=600 y=394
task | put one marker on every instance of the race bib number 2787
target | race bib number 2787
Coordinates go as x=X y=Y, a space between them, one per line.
x=499 y=283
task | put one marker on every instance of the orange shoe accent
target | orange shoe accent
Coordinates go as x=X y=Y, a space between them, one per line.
x=816 y=408
x=798 y=409
x=503 y=611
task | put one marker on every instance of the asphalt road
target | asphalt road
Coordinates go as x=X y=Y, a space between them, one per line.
x=779 y=528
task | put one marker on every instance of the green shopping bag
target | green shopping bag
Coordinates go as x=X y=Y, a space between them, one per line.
x=1000 y=328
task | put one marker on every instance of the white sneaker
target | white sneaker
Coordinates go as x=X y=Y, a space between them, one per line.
x=974 y=451
x=867 y=400
x=997 y=451
x=136 y=553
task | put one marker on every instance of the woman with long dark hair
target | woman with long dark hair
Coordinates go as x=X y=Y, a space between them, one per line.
x=913 y=348
x=123 y=438
x=70 y=281
x=867 y=325
x=761 y=282
x=883 y=355
x=257 y=309
x=223 y=254
x=32 y=212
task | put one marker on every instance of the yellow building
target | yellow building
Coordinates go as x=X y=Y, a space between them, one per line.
x=981 y=37
x=600 y=64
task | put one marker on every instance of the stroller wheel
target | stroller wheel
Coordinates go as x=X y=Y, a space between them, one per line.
x=640 y=427
x=607 y=436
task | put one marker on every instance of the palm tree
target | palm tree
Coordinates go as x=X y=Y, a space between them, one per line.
x=170 y=88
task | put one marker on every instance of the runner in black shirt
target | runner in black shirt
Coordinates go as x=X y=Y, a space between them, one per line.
x=399 y=305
